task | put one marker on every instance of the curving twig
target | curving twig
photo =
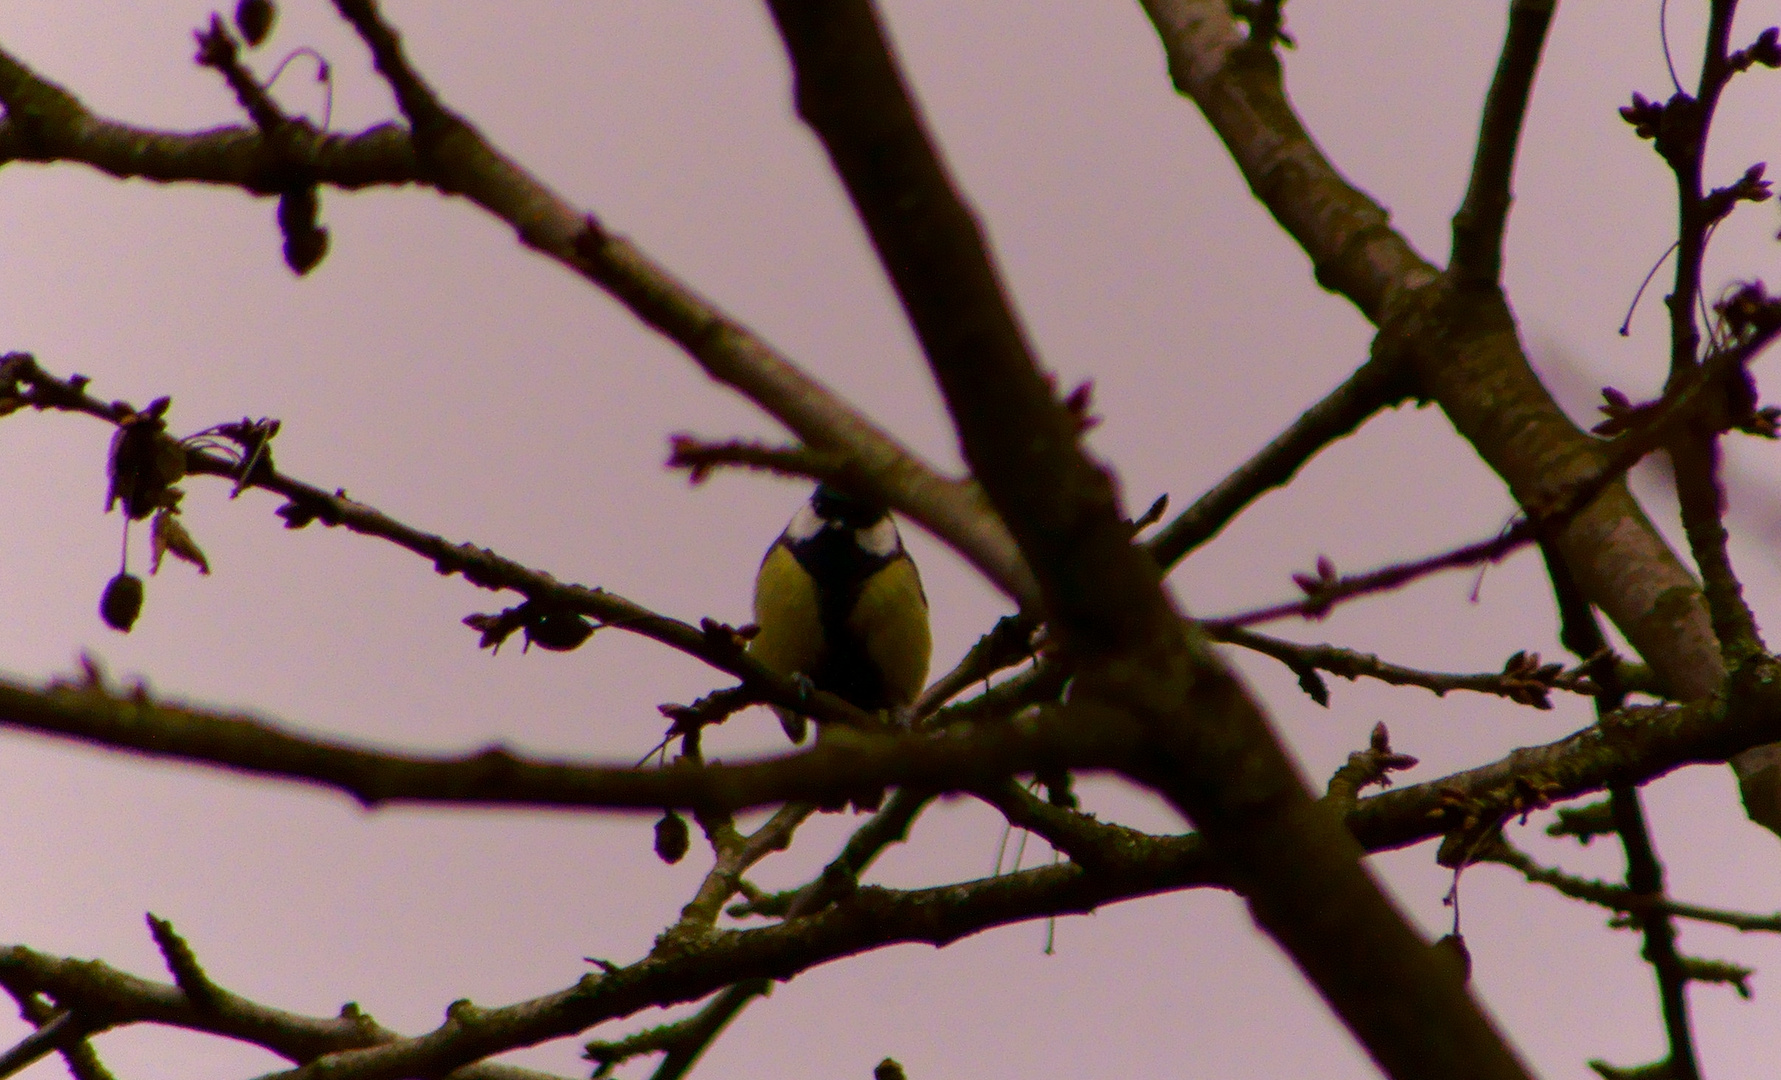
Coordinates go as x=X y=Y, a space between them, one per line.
x=1380 y=383
x=1621 y=898
x=1523 y=679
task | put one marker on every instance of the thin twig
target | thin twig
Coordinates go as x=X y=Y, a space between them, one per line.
x=1364 y=768
x=1696 y=457
x=688 y=1039
x=1644 y=875
x=217 y=48
x=1618 y=897
x=62 y=1030
x=684 y=1041
x=1683 y=144
x=1378 y=384
x=23 y=378
x=1685 y=400
x=890 y=825
x=1523 y=679
x=1331 y=591
x=1008 y=643
x=734 y=858
x=700 y=459
x=1089 y=843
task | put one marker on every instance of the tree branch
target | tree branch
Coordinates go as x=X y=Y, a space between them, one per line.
x=1467 y=358
x=1378 y=384
x=95 y=988
x=22 y=381
x=733 y=860
x=354 y=1048
x=1696 y=457
x=890 y=825
x=1632 y=746
x=1478 y=227
x=1623 y=899
x=1522 y=680
x=1644 y=875
x=458 y=160
x=682 y=1042
x=1215 y=757
x=45 y=123
x=849 y=767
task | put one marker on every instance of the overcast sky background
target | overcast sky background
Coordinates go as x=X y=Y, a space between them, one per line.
x=436 y=370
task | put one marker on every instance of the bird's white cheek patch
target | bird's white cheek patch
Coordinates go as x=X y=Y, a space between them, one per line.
x=804 y=525
x=880 y=540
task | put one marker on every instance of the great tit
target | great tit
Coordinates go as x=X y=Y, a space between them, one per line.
x=838 y=602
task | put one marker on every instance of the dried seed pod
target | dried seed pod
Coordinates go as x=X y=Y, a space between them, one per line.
x=1452 y=950
x=671 y=837
x=254 y=18
x=121 y=602
x=305 y=242
x=144 y=463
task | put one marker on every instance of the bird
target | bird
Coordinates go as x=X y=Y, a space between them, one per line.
x=838 y=602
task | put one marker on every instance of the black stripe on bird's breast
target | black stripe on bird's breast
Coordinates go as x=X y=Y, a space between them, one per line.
x=841 y=568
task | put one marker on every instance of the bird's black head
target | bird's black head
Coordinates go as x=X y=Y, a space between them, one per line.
x=832 y=504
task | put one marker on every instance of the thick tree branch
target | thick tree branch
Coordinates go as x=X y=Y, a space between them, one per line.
x=1215 y=756
x=1634 y=745
x=1638 y=744
x=1580 y=632
x=1467 y=358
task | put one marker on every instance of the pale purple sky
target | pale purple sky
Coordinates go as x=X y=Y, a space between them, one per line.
x=436 y=370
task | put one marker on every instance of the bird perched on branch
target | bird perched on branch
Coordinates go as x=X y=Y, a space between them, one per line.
x=838 y=602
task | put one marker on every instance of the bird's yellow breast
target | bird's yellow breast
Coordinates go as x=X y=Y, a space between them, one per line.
x=891 y=617
x=789 y=614
x=881 y=621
